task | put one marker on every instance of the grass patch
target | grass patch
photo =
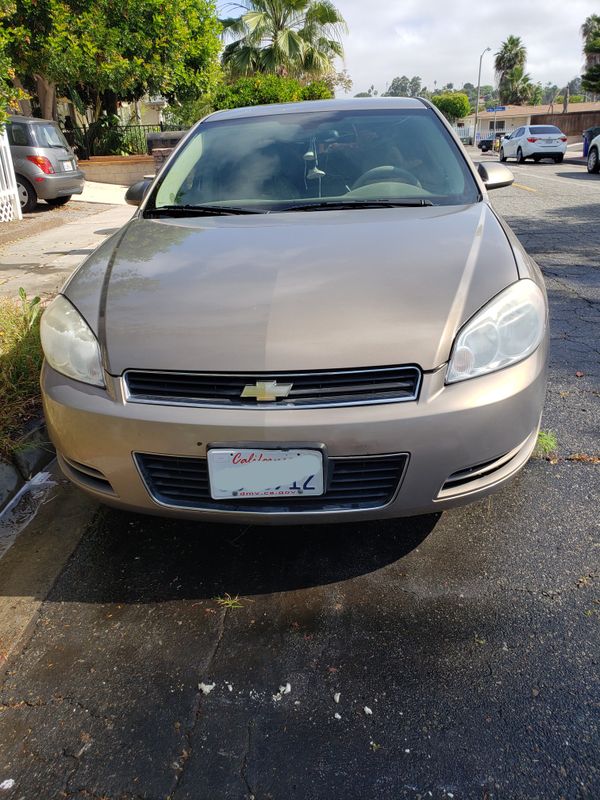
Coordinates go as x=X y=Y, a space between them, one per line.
x=227 y=601
x=546 y=444
x=20 y=363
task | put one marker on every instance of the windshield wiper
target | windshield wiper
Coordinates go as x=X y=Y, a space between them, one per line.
x=197 y=211
x=337 y=205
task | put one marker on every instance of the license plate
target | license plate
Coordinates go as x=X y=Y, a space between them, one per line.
x=253 y=472
x=67 y=166
x=547 y=142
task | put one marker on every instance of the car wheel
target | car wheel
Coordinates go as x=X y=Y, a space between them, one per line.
x=558 y=159
x=593 y=161
x=502 y=156
x=27 y=195
x=59 y=201
x=520 y=156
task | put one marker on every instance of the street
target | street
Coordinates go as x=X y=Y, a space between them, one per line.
x=446 y=656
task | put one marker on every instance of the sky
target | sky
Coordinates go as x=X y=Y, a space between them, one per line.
x=443 y=41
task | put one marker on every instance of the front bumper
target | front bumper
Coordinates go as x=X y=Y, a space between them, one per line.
x=61 y=184
x=491 y=420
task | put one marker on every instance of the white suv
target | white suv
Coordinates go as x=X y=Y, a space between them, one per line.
x=536 y=142
x=593 y=159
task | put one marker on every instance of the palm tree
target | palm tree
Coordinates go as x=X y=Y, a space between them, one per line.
x=517 y=88
x=284 y=37
x=512 y=53
x=590 y=30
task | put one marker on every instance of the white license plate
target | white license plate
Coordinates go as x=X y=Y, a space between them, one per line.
x=67 y=166
x=252 y=472
x=546 y=142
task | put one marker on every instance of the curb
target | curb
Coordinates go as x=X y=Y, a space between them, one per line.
x=34 y=453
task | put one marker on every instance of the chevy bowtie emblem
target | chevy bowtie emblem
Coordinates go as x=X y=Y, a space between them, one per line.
x=264 y=391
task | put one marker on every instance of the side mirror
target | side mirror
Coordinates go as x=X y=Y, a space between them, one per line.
x=494 y=175
x=136 y=193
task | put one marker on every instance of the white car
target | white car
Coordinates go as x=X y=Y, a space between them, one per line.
x=593 y=159
x=536 y=142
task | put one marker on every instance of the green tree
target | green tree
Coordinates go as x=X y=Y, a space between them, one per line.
x=537 y=94
x=9 y=94
x=399 y=87
x=414 y=87
x=549 y=93
x=517 y=88
x=371 y=92
x=512 y=54
x=590 y=30
x=262 y=89
x=453 y=105
x=103 y=51
x=295 y=38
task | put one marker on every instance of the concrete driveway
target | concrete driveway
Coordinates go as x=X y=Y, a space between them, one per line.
x=451 y=656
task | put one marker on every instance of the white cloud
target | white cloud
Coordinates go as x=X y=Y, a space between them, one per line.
x=443 y=44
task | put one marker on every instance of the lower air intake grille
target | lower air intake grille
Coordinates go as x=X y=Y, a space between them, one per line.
x=351 y=484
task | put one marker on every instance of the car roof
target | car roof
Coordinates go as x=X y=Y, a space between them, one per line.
x=36 y=120
x=350 y=104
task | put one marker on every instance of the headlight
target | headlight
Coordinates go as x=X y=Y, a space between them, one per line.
x=508 y=329
x=68 y=343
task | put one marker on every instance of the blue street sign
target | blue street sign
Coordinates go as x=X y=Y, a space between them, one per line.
x=495 y=108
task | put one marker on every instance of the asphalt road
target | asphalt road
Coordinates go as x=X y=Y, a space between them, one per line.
x=472 y=637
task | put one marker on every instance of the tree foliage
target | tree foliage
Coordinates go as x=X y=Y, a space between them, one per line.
x=9 y=94
x=294 y=38
x=590 y=30
x=453 y=105
x=102 y=50
x=399 y=87
x=516 y=88
x=511 y=56
x=262 y=89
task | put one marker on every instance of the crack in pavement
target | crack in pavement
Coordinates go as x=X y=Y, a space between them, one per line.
x=186 y=751
x=244 y=764
x=54 y=702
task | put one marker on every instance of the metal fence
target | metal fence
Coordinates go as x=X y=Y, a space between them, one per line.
x=104 y=139
x=10 y=206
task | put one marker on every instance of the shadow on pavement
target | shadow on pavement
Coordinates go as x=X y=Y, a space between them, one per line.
x=129 y=558
x=577 y=176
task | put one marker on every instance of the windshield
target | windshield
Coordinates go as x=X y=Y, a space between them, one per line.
x=543 y=129
x=50 y=136
x=289 y=160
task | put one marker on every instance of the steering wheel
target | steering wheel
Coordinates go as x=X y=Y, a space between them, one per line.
x=384 y=174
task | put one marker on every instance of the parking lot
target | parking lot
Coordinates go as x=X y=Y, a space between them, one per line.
x=447 y=656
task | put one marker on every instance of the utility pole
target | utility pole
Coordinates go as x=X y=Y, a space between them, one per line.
x=478 y=94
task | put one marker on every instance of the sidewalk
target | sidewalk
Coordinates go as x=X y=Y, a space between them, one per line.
x=41 y=262
x=102 y=193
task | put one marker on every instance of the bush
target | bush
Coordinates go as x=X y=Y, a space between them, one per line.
x=20 y=363
x=453 y=105
x=317 y=90
x=265 y=89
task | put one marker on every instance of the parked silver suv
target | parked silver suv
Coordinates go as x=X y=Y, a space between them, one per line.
x=45 y=166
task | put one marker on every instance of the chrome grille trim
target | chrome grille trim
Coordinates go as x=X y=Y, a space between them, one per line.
x=311 y=389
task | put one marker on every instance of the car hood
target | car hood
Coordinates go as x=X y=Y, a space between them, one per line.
x=292 y=291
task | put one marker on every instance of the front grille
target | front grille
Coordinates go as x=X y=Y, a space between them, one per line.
x=351 y=484
x=312 y=389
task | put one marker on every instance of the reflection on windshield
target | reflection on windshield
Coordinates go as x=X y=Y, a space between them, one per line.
x=50 y=136
x=270 y=162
